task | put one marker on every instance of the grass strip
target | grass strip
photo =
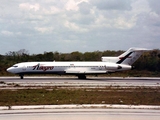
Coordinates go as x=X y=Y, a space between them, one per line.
x=54 y=96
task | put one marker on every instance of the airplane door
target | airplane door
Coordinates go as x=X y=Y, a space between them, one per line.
x=100 y=67
x=24 y=68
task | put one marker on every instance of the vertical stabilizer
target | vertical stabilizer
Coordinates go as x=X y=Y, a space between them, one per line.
x=131 y=55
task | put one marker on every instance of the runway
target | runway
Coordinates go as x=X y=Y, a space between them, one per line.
x=81 y=114
x=75 y=82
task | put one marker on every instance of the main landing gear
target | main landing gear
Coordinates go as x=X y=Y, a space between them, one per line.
x=81 y=76
x=21 y=76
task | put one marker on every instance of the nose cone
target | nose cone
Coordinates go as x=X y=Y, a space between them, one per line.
x=10 y=70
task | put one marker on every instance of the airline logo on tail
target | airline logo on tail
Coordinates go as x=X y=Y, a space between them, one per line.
x=131 y=55
x=125 y=57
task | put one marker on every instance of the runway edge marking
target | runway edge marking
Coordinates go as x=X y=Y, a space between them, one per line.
x=86 y=106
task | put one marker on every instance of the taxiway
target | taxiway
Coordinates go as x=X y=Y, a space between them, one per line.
x=81 y=114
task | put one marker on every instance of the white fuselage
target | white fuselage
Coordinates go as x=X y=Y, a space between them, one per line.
x=67 y=67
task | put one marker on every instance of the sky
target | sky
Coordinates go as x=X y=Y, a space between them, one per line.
x=66 y=26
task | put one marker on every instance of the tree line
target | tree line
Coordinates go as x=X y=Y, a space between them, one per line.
x=149 y=61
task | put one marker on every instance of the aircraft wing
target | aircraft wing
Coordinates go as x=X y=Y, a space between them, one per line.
x=83 y=71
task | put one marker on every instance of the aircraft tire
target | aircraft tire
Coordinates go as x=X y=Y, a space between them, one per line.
x=21 y=76
x=81 y=77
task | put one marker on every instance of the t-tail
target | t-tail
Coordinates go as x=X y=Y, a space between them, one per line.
x=128 y=57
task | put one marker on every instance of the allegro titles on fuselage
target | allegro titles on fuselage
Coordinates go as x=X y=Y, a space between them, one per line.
x=43 y=68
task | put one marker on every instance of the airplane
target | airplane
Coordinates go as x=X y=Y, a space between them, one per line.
x=80 y=69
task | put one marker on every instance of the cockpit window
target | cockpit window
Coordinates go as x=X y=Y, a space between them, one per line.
x=15 y=66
